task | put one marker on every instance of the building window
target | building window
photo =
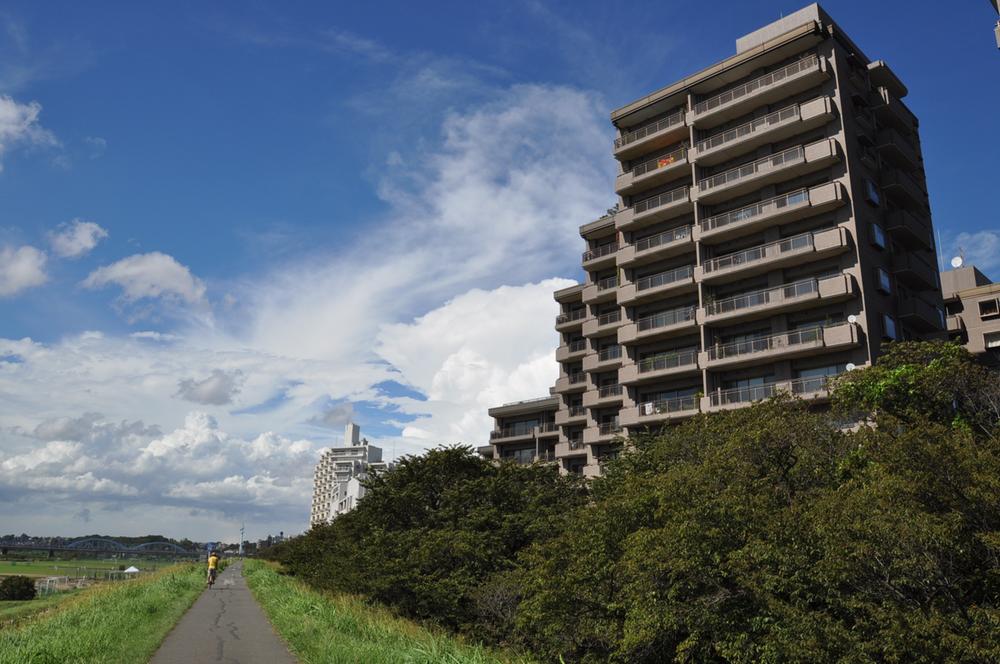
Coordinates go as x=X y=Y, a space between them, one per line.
x=884 y=284
x=889 y=330
x=878 y=236
x=871 y=193
x=992 y=340
x=988 y=309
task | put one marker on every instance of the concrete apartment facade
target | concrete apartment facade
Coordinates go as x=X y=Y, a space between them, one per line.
x=337 y=477
x=972 y=303
x=772 y=229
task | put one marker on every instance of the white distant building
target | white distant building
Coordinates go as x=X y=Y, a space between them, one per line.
x=337 y=480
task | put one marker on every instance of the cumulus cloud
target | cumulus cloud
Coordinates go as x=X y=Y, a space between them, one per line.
x=335 y=416
x=19 y=126
x=981 y=249
x=153 y=276
x=21 y=269
x=217 y=389
x=76 y=238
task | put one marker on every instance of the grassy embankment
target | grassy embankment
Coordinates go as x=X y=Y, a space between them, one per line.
x=115 y=623
x=328 y=629
x=17 y=611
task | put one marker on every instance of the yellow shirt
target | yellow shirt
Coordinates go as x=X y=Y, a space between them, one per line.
x=213 y=561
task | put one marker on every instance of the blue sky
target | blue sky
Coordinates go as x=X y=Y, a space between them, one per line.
x=275 y=217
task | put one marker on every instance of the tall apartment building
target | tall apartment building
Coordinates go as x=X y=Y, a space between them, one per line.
x=337 y=478
x=972 y=303
x=773 y=229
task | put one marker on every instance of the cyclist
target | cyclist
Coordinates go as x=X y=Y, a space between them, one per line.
x=213 y=566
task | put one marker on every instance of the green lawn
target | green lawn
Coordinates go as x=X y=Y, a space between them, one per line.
x=327 y=629
x=69 y=567
x=111 y=623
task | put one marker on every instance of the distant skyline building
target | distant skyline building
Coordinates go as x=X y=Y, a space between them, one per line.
x=337 y=478
x=772 y=230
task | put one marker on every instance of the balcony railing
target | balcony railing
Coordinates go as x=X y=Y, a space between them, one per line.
x=577 y=345
x=577 y=411
x=666 y=237
x=575 y=378
x=607 y=282
x=660 y=162
x=575 y=443
x=642 y=132
x=738 y=395
x=748 y=88
x=665 y=198
x=762 y=297
x=756 y=210
x=759 y=253
x=571 y=316
x=609 y=317
x=664 y=406
x=598 y=252
x=512 y=431
x=665 y=318
x=743 y=130
x=668 y=360
x=609 y=391
x=608 y=428
x=664 y=278
x=610 y=353
x=548 y=427
x=793 y=155
x=766 y=343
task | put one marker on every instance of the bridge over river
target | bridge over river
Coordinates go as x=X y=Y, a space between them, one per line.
x=103 y=546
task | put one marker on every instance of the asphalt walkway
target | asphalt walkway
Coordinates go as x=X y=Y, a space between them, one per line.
x=224 y=626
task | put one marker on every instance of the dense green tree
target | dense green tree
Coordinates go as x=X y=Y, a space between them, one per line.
x=17 y=587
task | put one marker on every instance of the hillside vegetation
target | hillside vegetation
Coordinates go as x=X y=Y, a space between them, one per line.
x=773 y=533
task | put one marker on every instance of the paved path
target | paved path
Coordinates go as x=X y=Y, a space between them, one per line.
x=225 y=626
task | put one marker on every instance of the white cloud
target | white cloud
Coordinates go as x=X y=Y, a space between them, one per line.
x=981 y=249
x=150 y=276
x=21 y=269
x=19 y=126
x=217 y=389
x=96 y=145
x=76 y=238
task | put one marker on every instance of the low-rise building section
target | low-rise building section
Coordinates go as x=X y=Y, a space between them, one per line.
x=972 y=304
x=339 y=476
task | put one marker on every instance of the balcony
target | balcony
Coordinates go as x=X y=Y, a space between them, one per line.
x=763 y=303
x=668 y=205
x=781 y=346
x=897 y=150
x=921 y=315
x=659 y=326
x=661 y=284
x=653 y=172
x=660 y=411
x=570 y=320
x=955 y=324
x=571 y=383
x=804 y=388
x=570 y=448
x=909 y=230
x=649 y=137
x=795 y=250
x=881 y=75
x=661 y=365
x=767 y=89
x=512 y=434
x=783 y=165
x=600 y=256
x=890 y=111
x=603 y=290
x=604 y=324
x=606 y=395
x=571 y=415
x=914 y=271
x=781 y=209
x=573 y=350
x=604 y=360
x=669 y=243
x=604 y=432
x=771 y=128
x=904 y=189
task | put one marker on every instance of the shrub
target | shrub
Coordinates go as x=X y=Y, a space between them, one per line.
x=17 y=588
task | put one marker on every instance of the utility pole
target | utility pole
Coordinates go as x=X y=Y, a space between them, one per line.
x=242 y=529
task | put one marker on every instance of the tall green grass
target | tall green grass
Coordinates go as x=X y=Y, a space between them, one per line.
x=329 y=629
x=117 y=623
x=12 y=612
